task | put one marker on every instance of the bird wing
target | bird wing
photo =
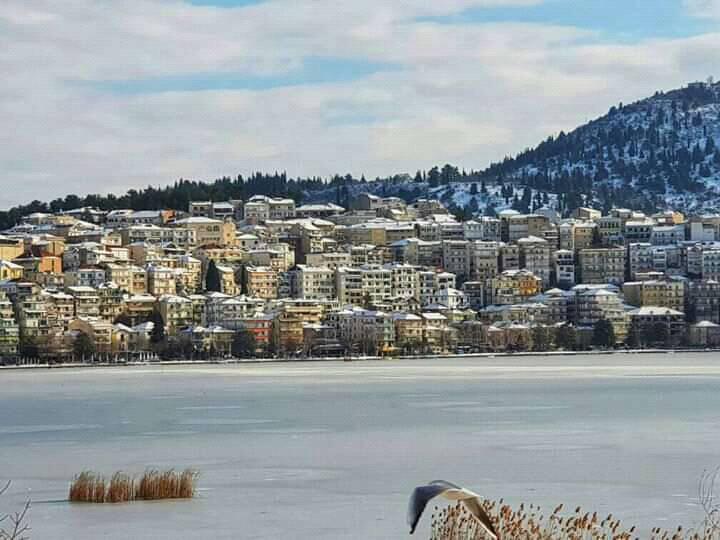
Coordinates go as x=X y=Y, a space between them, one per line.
x=422 y=495
x=472 y=503
x=419 y=499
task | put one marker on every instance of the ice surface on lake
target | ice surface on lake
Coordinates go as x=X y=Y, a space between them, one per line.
x=332 y=450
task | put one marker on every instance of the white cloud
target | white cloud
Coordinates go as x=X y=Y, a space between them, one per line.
x=467 y=94
x=707 y=9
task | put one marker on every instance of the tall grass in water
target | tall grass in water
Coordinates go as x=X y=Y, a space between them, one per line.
x=152 y=485
x=529 y=523
x=166 y=485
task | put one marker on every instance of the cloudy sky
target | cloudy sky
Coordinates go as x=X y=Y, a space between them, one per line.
x=101 y=96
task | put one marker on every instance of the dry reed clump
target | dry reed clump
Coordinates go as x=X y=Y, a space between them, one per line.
x=529 y=523
x=152 y=485
x=166 y=485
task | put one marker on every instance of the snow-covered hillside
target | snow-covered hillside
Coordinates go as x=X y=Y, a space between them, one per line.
x=660 y=152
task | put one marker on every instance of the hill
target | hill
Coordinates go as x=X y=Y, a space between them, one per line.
x=656 y=153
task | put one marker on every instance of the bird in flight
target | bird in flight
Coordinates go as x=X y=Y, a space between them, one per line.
x=422 y=495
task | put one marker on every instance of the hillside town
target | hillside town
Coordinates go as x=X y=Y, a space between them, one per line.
x=268 y=278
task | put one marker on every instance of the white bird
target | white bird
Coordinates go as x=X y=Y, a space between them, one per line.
x=422 y=495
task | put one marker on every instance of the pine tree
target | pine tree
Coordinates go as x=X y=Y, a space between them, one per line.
x=565 y=337
x=632 y=340
x=473 y=207
x=244 y=344
x=603 y=334
x=212 y=278
x=540 y=338
x=433 y=177
x=83 y=346
x=157 y=335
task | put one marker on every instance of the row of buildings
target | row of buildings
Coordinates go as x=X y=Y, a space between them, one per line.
x=380 y=277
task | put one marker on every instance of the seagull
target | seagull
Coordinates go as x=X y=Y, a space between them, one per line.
x=422 y=495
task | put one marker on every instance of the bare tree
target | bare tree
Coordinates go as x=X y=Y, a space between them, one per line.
x=13 y=526
x=708 y=502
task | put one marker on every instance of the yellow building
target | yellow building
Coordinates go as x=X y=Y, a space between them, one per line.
x=161 y=280
x=210 y=231
x=100 y=332
x=112 y=301
x=60 y=308
x=288 y=325
x=221 y=255
x=669 y=294
x=603 y=265
x=10 y=270
x=120 y=275
x=45 y=264
x=176 y=311
x=87 y=301
x=227 y=280
x=584 y=234
x=189 y=274
x=10 y=248
x=408 y=332
x=364 y=233
x=139 y=307
x=514 y=287
x=139 y=280
x=262 y=282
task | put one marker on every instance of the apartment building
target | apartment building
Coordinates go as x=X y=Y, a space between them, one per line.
x=288 y=325
x=514 y=287
x=638 y=230
x=565 y=268
x=457 y=258
x=261 y=282
x=177 y=312
x=9 y=270
x=86 y=300
x=662 y=293
x=231 y=312
x=710 y=264
x=85 y=277
x=485 y=260
x=610 y=229
x=535 y=257
x=593 y=305
x=209 y=232
x=160 y=280
x=602 y=265
x=99 y=331
x=509 y=257
x=645 y=322
x=703 y=300
x=314 y=282
x=373 y=332
x=663 y=235
x=9 y=328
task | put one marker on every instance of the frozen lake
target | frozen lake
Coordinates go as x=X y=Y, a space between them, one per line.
x=332 y=450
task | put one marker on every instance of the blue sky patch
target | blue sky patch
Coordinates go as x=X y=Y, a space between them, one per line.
x=626 y=20
x=315 y=70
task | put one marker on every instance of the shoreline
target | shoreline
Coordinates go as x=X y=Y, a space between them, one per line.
x=244 y=361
